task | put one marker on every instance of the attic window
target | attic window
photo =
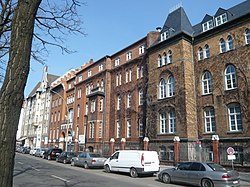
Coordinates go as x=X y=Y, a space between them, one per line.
x=164 y=36
x=221 y=19
x=207 y=26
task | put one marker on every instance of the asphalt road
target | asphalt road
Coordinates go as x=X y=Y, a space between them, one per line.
x=31 y=171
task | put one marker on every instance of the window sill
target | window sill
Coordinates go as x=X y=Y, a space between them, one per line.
x=235 y=132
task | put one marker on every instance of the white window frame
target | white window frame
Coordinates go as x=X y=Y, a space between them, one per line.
x=129 y=100
x=163 y=123
x=169 y=57
x=118 y=129
x=130 y=74
x=207 y=26
x=230 y=78
x=141 y=49
x=100 y=129
x=129 y=128
x=171 y=121
x=100 y=67
x=219 y=20
x=118 y=102
x=80 y=78
x=89 y=73
x=92 y=107
x=140 y=97
x=159 y=61
x=140 y=128
x=129 y=55
x=234 y=117
x=209 y=120
x=117 y=61
x=162 y=89
x=170 y=86
x=206 y=83
x=120 y=79
x=101 y=104
x=127 y=74
x=206 y=51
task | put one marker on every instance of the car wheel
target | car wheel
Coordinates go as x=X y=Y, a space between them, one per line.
x=107 y=168
x=72 y=163
x=65 y=161
x=166 y=178
x=133 y=173
x=207 y=183
x=85 y=165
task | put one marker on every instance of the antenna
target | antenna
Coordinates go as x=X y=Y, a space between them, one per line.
x=175 y=7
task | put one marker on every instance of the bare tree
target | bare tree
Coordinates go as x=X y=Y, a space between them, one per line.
x=26 y=27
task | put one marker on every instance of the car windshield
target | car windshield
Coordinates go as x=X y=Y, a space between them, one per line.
x=72 y=154
x=94 y=155
x=216 y=167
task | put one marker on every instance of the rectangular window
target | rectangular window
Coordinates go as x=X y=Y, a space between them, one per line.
x=172 y=122
x=92 y=108
x=221 y=19
x=120 y=79
x=89 y=73
x=138 y=72
x=129 y=55
x=141 y=49
x=100 y=130
x=118 y=102
x=126 y=76
x=118 y=129
x=140 y=128
x=100 y=67
x=101 y=105
x=209 y=120
x=128 y=128
x=80 y=78
x=117 y=80
x=163 y=123
x=130 y=75
x=129 y=100
x=141 y=97
x=117 y=61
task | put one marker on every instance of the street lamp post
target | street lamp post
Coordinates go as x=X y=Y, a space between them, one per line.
x=67 y=120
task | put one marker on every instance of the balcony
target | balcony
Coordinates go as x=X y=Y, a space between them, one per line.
x=97 y=91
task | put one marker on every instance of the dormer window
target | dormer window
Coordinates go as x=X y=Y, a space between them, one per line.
x=129 y=55
x=207 y=26
x=164 y=36
x=221 y=19
x=117 y=61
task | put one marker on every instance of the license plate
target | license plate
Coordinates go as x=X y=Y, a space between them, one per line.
x=235 y=182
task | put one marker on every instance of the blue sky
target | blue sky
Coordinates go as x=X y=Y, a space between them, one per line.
x=112 y=25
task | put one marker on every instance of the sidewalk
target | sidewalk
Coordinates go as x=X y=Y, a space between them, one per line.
x=244 y=176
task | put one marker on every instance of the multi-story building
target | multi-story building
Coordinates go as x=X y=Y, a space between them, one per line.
x=36 y=113
x=184 y=87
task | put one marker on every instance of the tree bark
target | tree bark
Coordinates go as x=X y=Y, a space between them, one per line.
x=11 y=94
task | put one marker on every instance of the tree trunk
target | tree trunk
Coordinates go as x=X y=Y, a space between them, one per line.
x=11 y=94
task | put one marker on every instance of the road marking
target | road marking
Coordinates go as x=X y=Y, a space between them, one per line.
x=152 y=185
x=65 y=180
x=35 y=169
x=19 y=162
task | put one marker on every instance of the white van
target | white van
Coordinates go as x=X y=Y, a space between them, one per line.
x=134 y=162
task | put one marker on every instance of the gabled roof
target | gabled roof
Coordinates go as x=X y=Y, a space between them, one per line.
x=232 y=14
x=32 y=93
x=52 y=78
x=178 y=21
x=207 y=18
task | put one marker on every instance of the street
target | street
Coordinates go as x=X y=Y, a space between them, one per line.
x=32 y=171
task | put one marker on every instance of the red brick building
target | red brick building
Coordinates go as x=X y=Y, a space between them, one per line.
x=184 y=87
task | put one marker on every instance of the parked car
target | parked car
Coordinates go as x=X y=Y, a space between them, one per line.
x=39 y=152
x=200 y=174
x=42 y=152
x=88 y=160
x=32 y=151
x=66 y=157
x=134 y=162
x=52 y=153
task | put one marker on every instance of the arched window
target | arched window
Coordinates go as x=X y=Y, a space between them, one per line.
x=200 y=53
x=247 y=34
x=206 y=83
x=170 y=87
x=162 y=89
x=165 y=59
x=222 y=46
x=170 y=58
x=207 y=51
x=230 y=43
x=230 y=77
x=159 y=61
x=209 y=119
x=234 y=116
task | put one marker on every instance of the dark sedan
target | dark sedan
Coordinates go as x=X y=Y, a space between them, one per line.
x=200 y=174
x=65 y=157
x=52 y=153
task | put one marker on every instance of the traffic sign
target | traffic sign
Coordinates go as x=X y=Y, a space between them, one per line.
x=230 y=151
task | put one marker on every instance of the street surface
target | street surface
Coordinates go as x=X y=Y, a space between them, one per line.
x=31 y=171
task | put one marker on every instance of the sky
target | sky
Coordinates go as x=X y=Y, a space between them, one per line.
x=111 y=25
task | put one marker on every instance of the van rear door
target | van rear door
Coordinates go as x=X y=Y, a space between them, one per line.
x=150 y=160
